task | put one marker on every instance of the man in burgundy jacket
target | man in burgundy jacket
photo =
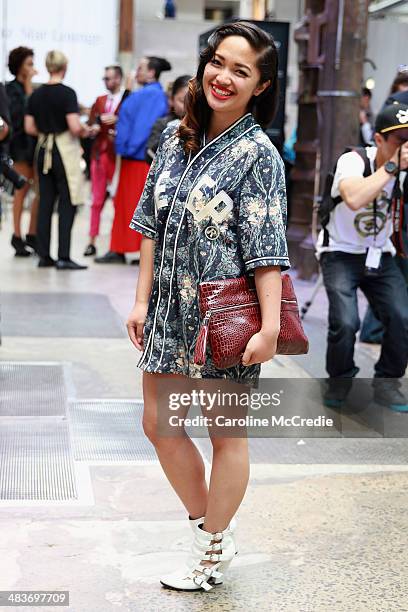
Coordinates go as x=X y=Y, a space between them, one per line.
x=104 y=114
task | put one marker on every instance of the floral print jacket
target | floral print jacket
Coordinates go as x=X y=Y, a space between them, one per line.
x=219 y=214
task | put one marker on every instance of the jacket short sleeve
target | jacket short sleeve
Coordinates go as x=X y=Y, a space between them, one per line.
x=262 y=213
x=144 y=218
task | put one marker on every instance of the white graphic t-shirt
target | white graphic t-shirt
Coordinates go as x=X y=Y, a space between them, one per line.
x=352 y=231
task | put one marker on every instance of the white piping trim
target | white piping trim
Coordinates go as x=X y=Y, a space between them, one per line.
x=151 y=336
x=181 y=220
x=189 y=164
x=266 y=257
x=149 y=229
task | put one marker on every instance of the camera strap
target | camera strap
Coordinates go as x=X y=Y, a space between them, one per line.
x=375 y=221
x=375 y=210
x=397 y=204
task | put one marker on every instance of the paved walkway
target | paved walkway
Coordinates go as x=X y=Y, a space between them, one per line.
x=323 y=524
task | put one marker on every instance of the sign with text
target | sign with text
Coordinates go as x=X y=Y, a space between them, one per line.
x=85 y=31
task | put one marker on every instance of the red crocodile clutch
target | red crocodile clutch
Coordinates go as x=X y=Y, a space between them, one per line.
x=231 y=315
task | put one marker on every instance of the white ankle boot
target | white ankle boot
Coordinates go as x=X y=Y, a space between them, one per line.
x=195 y=576
x=194 y=524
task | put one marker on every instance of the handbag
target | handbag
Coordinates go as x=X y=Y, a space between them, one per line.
x=231 y=315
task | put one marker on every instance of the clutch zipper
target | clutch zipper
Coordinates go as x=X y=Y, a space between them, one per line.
x=200 y=350
x=212 y=311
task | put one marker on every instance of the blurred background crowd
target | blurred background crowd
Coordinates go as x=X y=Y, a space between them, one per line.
x=53 y=115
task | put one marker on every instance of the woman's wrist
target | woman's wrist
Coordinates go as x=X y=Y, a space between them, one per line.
x=270 y=332
x=142 y=301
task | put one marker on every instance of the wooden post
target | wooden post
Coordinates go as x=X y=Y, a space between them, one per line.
x=259 y=9
x=307 y=35
x=332 y=42
x=126 y=25
x=341 y=78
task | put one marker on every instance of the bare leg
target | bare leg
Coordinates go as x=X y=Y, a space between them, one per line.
x=184 y=469
x=32 y=230
x=228 y=483
x=19 y=196
x=178 y=456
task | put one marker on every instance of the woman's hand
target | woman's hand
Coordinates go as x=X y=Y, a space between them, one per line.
x=135 y=324
x=260 y=348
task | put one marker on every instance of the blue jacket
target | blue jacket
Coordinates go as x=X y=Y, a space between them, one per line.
x=137 y=115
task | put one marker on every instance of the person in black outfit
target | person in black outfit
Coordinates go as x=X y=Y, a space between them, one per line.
x=4 y=111
x=21 y=146
x=53 y=115
x=4 y=123
x=4 y=117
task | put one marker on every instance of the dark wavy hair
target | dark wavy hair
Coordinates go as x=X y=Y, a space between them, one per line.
x=158 y=64
x=17 y=57
x=181 y=82
x=263 y=107
x=400 y=79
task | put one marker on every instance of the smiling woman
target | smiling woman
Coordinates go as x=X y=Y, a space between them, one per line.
x=238 y=72
x=213 y=208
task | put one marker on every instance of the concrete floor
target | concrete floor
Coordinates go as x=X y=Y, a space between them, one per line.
x=312 y=538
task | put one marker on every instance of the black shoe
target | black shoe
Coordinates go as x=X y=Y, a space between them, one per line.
x=336 y=392
x=68 y=264
x=90 y=250
x=46 y=262
x=112 y=258
x=19 y=245
x=387 y=393
x=31 y=242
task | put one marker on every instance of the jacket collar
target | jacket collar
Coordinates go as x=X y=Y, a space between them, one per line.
x=237 y=128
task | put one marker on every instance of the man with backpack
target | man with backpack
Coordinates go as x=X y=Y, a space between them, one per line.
x=356 y=251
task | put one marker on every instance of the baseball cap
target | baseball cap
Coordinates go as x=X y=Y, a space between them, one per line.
x=392 y=117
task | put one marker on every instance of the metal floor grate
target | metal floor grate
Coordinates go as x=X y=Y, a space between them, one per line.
x=59 y=315
x=109 y=430
x=28 y=389
x=35 y=459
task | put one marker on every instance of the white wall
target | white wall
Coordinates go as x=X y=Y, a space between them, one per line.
x=85 y=33
x=176 y=40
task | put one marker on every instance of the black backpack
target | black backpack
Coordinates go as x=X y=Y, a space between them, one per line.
x=327 y=203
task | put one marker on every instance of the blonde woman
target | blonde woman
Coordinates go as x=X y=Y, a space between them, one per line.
x=53 y=116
